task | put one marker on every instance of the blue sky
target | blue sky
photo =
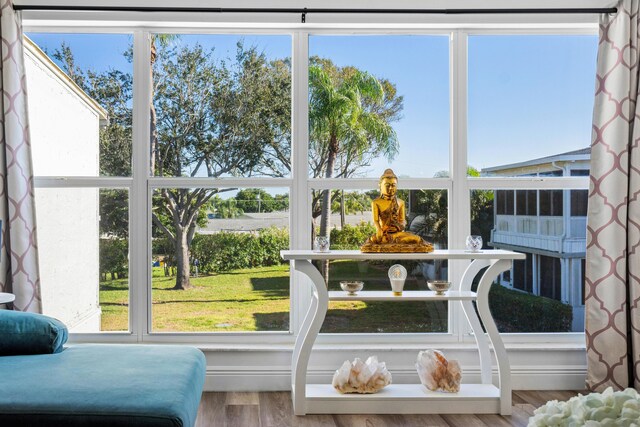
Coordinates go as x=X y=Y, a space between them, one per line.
x=529 y=96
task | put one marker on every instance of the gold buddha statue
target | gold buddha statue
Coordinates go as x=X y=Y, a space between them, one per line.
x=389 y=219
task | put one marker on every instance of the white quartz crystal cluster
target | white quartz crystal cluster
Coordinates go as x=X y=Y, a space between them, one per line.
x=361 y=377
x=607 y=409
x=438 y=373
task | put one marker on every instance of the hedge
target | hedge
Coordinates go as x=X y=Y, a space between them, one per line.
x=351 y=236
x=516 y=311
x=227 y=251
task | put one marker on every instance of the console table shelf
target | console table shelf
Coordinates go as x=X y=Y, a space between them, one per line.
x=398 y=398
x=406 y=398
x=406 y=296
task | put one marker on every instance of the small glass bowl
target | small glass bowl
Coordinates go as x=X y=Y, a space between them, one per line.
x=351 y=286
x=439 y=286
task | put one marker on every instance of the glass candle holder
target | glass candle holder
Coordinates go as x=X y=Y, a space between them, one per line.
x=474 y=243
x=321 y=244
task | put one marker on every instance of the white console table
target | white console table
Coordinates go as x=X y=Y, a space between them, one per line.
x=406 y=398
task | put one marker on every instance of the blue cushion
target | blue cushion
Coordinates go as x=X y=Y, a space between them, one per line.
x=30 y=333
x=103 y=385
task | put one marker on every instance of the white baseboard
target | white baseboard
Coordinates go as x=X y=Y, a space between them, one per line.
x=535 y=368
x=269 y=379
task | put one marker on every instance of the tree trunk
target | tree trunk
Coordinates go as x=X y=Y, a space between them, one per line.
x=343 y=214
x=326 y=201
x=326 y=194
x=182 y=260
x=153 y=143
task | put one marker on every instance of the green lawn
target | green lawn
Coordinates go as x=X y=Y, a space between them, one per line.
x=258 y=300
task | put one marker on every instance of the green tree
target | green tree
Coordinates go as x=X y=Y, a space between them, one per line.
x=350 y=120
x=481 y=210
x=430 y=208
x=259 y=200
x=229 y=123
x=225 y=208
x=113 y=90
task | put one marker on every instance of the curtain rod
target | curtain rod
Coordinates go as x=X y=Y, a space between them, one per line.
x=304 y=11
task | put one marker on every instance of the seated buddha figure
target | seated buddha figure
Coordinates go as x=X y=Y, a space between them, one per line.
x=389 y=219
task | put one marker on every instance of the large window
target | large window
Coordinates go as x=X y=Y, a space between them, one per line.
x=196 y=157
x=403 y=87
x=232 y=277
x=80 y=124
x=530 y=100
x=221 y=109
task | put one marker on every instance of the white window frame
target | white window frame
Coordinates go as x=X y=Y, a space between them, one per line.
x=141 y=186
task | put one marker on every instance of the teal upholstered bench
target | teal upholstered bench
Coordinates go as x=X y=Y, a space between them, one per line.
x=102 y=385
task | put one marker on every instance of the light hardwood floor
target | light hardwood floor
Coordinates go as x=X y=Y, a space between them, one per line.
x=274 y=409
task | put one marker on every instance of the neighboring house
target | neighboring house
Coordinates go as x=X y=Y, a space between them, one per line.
x=549 y=226
x=65 y=127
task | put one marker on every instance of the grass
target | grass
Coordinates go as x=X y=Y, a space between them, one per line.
x=258 y=300
x=242 y=300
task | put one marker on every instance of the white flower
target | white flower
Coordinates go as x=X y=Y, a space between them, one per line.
x=606 y=409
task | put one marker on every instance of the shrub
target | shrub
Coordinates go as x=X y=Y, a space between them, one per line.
x=272 y=240
x=227 y=251
x=351 y=236
x=114 y=258
x=516 y=311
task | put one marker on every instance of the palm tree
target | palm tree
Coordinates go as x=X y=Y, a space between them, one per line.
x=344 y=122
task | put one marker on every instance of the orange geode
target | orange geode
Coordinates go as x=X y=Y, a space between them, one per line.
x=438 y=373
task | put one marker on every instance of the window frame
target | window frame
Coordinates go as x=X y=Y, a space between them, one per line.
x=140 y=185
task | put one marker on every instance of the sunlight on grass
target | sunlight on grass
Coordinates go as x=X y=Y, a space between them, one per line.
x=258 y=300
x=242 y=300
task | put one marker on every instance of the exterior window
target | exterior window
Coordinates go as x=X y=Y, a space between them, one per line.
x=523 y=274
x=526 y=202
x=579 y=202
x=551 y=202
x=504 y=202
x=580 y=172
x=550 y=278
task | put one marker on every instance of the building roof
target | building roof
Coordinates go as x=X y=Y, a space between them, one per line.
x=34 y=51
x=581 y=154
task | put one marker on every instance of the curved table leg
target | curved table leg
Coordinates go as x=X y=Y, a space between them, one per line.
x=504 y=368
x=472 y=317
x=308 y=333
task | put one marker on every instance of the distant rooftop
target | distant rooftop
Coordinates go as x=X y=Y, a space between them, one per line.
x=581 y=154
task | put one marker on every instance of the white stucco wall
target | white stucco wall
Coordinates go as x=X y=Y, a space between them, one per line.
x=65 y=128
x=68 y=247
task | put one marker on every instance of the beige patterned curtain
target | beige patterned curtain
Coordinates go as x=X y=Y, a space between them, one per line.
x=613 y=225
x=19 y=258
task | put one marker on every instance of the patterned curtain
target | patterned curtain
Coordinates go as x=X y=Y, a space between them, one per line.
x=613 y=225
x=19 y=257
